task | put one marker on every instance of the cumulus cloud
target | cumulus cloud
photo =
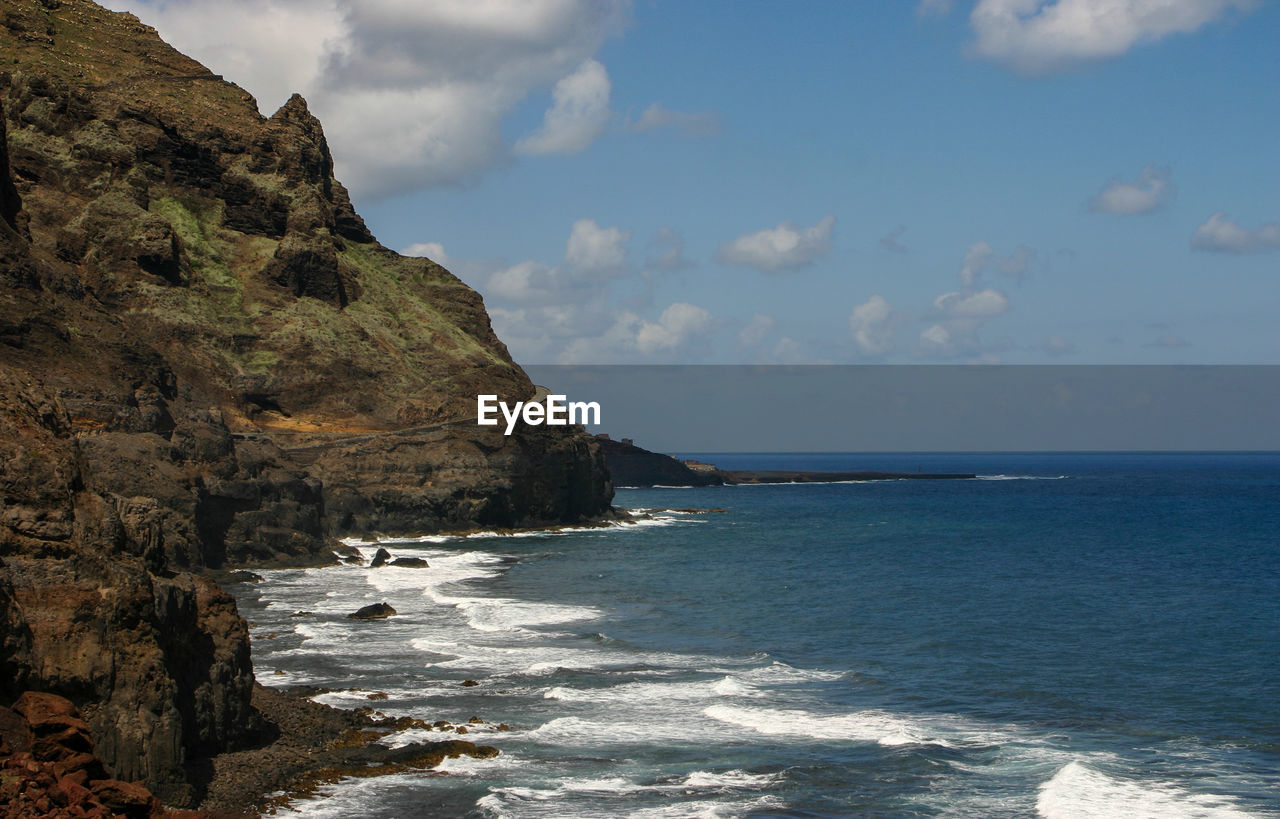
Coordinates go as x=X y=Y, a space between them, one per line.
x=782 y=248
x=578 y=115
x=592 y=249
x=958 y=315
x=872 y=324
x=526 y=282
x=981 y=305
x=541 y=333
x=566 y=313
x=429 y=250
x=980 y=257
x=677 y=324
x=1152 y=190
x=633 y=338
x=411 y=94
x=1039 y=36
x=693 y=123
x=1221 y=235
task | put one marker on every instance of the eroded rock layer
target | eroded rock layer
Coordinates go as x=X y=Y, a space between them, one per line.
x=207 y=360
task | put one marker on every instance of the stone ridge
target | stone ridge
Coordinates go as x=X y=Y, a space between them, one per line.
x=187 y=298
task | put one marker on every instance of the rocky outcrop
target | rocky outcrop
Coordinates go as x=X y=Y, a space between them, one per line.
x=630 y=465
x=187 y=297
x=48 y=767
x=373 y=611
x=461 y=476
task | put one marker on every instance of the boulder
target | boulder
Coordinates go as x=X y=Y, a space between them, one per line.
x=375 y=611
x=410 y=562
x=380 y=558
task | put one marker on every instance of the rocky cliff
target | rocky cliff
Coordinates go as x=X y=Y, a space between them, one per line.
x=207 y=360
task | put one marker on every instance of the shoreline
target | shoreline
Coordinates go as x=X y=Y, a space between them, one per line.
x=315 y=745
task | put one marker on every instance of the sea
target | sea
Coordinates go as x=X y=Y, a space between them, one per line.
x=1069 y=635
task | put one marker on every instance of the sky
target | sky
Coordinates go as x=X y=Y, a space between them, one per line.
x=943 y=181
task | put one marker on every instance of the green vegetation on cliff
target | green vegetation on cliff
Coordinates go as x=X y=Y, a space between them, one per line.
x=187 y=296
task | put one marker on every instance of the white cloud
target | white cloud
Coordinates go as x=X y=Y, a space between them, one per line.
x=976 y=258
x=429 y=250
x=982 y=305
x=525 y=283
x=872 y=325
x=959 y=315
x=693 y=123
x=633 y=338
x=1038 y=36
x=578 y=115
x=677 y=324
x=981 y=257
x=936 y=339
x=1221 y=235
x=760 y=328
x=593 y=249
x=782 y=248
x=540 y=334
x=410 y=94
x=1152 y=190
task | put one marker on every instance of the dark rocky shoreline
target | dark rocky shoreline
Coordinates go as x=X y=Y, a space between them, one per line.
x=313 y=745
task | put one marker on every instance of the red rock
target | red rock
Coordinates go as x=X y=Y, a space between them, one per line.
x=75 y=790
x=84 y=764
x=13 y=732
x=40 y=709
x=129 y=798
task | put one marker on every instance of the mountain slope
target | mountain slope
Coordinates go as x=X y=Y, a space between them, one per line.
x=187 y=301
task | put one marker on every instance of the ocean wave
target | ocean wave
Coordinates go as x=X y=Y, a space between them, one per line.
x=524 y=802
x=1077 y=791
x=863 y=726
x=660 y=693
x=388 y=541
x=1022 y=477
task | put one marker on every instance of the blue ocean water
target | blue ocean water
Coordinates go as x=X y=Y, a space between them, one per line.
x=1070 y=635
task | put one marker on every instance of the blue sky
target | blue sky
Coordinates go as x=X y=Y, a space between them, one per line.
x=1021 y=181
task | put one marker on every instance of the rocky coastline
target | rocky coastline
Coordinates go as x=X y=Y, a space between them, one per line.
x=189 y=299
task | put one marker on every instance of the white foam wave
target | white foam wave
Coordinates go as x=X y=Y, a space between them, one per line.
x=500 y=614
x=1022 y=477
x=698 y=780
x=863 y=726
x=511 y=802
x=578 y=731
x=1080 y=792
x=730 y=779
x=492 y=534
x=649 y=693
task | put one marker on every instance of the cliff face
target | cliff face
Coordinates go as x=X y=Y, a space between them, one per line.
x=188 y=303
